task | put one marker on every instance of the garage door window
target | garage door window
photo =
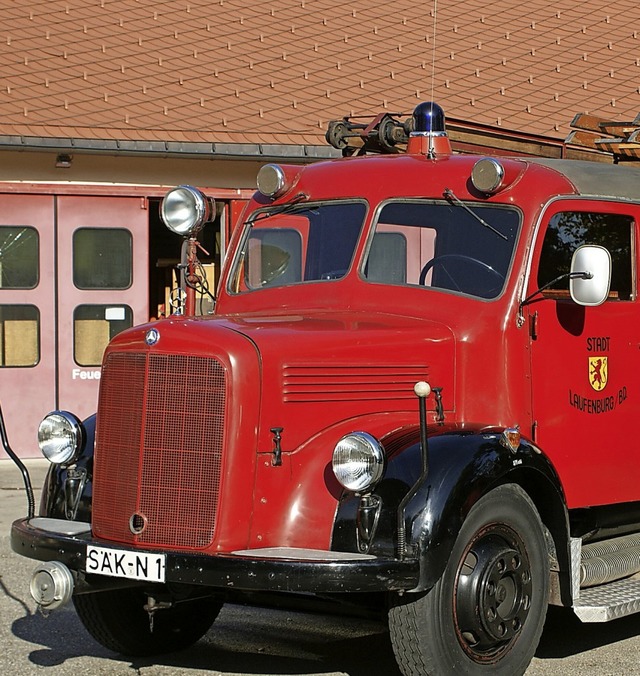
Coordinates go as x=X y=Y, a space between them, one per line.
x=18 y=257
x=19 y=335
x=94 y=326
x=102 y=258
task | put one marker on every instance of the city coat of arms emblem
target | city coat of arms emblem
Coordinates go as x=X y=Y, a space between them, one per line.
x=598 y=372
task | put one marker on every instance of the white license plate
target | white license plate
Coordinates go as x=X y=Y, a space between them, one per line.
x=127 y=564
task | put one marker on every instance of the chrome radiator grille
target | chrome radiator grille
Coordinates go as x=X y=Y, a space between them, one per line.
x=159 y=445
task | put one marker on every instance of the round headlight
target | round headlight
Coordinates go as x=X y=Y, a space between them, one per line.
x=185 y=210
x=60 y=437
x=358 y=461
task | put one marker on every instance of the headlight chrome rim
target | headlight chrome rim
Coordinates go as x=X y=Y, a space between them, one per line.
x=60 y=437
x=358 y=462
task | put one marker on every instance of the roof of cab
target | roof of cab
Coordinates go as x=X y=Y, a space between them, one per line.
x=618 y=181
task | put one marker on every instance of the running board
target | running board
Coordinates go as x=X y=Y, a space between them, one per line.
x=604 y=602
x=609 y=601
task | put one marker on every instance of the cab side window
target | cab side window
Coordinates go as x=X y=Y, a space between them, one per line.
x=570 y=229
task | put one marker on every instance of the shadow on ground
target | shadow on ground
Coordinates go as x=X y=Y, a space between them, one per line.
x=565 y=635
x=241 y=641
x=246 y=640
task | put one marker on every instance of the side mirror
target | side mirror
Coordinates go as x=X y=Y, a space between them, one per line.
x=590 y=276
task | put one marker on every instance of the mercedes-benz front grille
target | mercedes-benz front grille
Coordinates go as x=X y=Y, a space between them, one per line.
x=159 y=447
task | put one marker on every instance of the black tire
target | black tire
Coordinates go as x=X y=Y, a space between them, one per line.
x=117 y=620
x=486 y=613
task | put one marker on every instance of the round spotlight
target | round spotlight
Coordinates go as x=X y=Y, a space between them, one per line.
x=272 y=180
x=487 y=175
x=185 y=210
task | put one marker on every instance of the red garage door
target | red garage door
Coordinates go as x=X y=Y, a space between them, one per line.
x=73 y=273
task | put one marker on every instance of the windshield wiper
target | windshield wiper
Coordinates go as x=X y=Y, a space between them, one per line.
x=280 y=209
x=449 y=194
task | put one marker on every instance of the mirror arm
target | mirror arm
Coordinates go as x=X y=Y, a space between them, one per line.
x=566 y=275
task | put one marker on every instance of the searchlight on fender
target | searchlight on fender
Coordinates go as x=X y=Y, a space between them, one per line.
x=429 y=135
x=185 y=210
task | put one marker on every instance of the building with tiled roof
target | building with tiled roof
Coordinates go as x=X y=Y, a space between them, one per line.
x=105 y=103
x=228 y=79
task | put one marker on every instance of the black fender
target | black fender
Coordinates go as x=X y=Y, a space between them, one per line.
x=68 y=490
x=463 y=466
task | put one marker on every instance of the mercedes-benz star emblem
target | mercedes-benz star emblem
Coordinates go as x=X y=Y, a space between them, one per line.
x=152 y=337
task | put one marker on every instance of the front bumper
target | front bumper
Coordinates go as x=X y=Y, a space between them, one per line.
x=276 y=569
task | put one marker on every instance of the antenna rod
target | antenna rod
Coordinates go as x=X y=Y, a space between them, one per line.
x=432 y=151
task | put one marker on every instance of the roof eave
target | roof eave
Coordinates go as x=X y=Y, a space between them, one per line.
x=235 y=151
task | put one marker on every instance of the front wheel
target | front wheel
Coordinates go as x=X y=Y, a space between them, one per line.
x=118 y=620
x=486 y=613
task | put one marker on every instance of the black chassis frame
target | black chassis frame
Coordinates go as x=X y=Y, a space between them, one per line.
x=225 y=571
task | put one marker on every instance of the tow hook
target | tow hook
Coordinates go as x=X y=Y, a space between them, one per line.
x=152 y=606
x=52 y=585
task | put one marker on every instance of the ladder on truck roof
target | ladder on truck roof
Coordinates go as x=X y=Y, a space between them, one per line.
x=386 y=133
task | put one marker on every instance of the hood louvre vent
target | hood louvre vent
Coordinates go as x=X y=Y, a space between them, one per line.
x=322 y=383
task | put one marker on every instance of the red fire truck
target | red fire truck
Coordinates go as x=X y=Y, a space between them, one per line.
x=416 y=390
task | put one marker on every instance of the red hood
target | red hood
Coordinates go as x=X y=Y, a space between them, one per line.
x=320 y=369
x=336 y=367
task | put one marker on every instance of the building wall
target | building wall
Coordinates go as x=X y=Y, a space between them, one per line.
x=44 y=334
x=35 y=166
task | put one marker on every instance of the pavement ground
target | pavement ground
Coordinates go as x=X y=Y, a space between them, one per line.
x=248 y=641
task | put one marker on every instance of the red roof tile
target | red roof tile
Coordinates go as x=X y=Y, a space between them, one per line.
x=275 y=72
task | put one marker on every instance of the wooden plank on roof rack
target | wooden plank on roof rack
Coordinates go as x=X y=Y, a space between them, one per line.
x=587 y=122
x=621 y=142
x=586 y=139
x=619 y=148
x=618 y=138
x=617 y=128
x=629 y=154
x=601 y=125
x=604 y=140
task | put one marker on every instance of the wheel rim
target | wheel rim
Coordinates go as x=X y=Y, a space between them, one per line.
x=492 y=595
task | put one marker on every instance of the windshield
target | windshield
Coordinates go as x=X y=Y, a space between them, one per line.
x=444 y=246
x=302 y=244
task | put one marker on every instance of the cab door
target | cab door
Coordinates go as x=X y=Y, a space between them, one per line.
x=586 y=360
x=102 y=264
